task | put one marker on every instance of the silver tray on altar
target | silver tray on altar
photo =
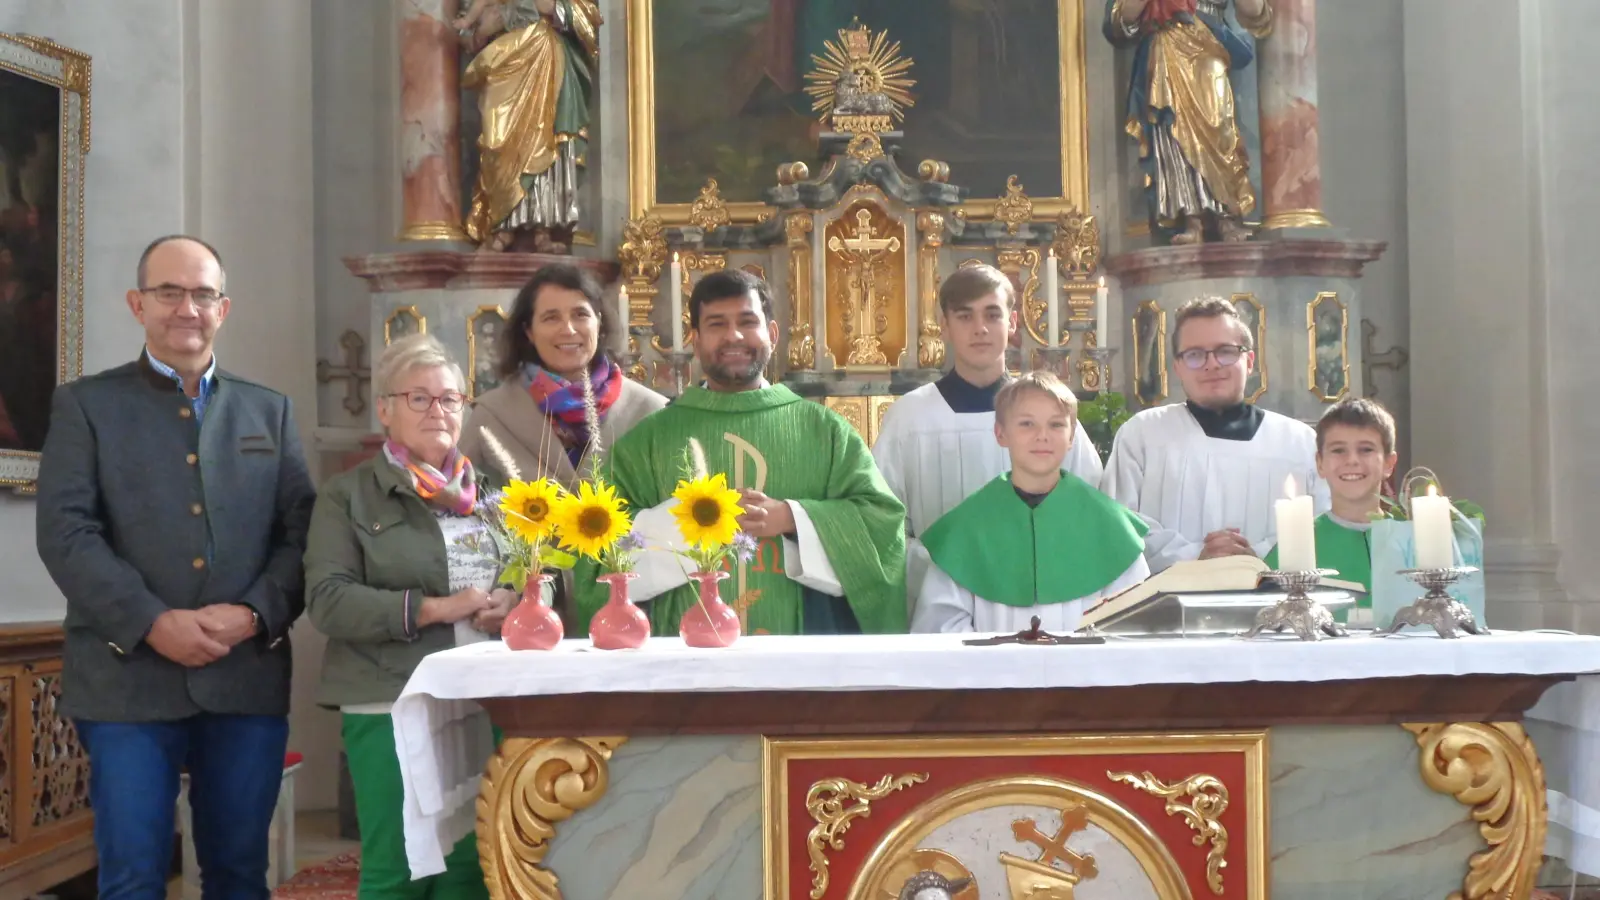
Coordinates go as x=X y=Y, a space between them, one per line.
x=1219 y=614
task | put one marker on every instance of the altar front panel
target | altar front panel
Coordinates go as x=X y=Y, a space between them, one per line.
x=1346 y=816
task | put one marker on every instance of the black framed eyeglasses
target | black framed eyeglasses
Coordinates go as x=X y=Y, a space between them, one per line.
x=1226 y=355
x=172 y=295
x=421 y=401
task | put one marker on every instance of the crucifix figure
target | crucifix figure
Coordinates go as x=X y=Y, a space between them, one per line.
x=352 y=373
x=865 y=318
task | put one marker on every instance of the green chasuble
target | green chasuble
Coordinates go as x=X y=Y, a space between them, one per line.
x=1349 y=550
x=789 y=449
x=1073 y=544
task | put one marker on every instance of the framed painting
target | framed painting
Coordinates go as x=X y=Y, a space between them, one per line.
x=1255 y=319
x=718 y=89
x=1149 y=330
x=44 y=136
x=1328 y=347
x=483 y=348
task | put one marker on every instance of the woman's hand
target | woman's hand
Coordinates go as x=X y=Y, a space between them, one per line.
x=490 y=620
x=463 y=604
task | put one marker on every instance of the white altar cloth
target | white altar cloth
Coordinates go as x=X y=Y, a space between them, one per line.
x=1565 y=727
x=433 y=719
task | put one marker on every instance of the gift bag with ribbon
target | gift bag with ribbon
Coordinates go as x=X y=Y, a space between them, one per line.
x=1394 y=548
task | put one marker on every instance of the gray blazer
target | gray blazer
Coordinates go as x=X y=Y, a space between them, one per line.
x=141 y=511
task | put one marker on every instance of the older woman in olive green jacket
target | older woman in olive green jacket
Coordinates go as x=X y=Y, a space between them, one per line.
x=399 y=566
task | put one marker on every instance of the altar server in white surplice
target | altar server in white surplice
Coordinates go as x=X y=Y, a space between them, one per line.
x=1206 y=472
x=936 y=445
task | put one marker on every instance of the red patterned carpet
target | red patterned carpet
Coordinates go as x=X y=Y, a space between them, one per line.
x=335 y=879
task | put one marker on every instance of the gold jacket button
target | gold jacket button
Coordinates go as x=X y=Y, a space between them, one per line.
x=191 y=459
x=196 y=509
x=186 y=412
x=199 y=563
x=377 y=526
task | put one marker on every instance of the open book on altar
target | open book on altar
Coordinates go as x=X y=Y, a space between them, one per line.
x=1226 y=581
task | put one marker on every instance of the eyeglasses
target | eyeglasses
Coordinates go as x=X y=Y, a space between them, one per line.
x=172 y=295
x=1226 y=355
x=421 y=401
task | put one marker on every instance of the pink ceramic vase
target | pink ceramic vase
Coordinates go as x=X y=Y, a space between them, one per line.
x=534 y=624
x=710 y=622
x=619 y=625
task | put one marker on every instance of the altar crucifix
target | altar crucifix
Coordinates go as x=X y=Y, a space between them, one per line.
x=865 y=317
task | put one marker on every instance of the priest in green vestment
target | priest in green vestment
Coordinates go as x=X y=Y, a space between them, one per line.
x=1355 y=456
x=831 y=536
x=1035 y=542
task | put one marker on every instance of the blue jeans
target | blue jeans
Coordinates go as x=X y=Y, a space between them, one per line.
x=235 y=766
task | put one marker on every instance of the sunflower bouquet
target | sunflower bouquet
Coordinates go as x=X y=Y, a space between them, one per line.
x=707 y=512
x=520 y=521
x=594 y=523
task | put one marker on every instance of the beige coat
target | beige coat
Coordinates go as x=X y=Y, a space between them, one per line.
x=509 y=412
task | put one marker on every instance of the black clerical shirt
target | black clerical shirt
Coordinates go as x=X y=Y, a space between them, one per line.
x=965 y=397
x=1231 y=423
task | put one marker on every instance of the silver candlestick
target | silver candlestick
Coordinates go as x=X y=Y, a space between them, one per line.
x=679 y=360
x=1436 y=607
x=1309 y=619
x=1051 y=359
x=1102 y=361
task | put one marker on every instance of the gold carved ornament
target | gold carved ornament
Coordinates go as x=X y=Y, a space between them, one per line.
x=930 y=337
x=1034 y=307
x=870 y=284
x=1077 y=243
x=1207 y=801
x=709 y=211
x=836 y=802
x=1014 y=210
x=530 y=785
x=876 y=68
x=802 y=345
x=1493 y=768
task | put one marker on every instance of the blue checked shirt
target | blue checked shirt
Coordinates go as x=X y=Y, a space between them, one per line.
x=208 y=381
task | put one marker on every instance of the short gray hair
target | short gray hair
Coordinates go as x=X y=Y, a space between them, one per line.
x=416 y=351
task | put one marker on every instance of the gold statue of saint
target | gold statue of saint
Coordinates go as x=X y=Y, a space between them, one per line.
x=533 y=81
x=865 y=317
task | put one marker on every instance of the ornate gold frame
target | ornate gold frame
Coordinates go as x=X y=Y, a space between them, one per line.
x=777 y=752
x=1260 y=341
x=70 y=72
x=1311 y=345
x=1072 y=83
x=388 y=322
x=1161 y=352
x=472 y=344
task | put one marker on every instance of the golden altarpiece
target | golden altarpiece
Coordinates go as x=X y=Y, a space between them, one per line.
x=855 y=252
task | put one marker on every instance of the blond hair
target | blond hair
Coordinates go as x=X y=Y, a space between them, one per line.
x=1045 y=383
x=416 y=351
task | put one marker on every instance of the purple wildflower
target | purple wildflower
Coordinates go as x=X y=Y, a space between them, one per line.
x=632 y=542
x=744 y=546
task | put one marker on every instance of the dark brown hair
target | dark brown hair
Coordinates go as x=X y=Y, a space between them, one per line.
x=1358 y=412
x=1209 y=308
x=974 y=282
x=728 y=284
x=515 y=347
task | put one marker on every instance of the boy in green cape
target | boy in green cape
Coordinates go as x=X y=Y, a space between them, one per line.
x=1355 y=456
x=1036 y=541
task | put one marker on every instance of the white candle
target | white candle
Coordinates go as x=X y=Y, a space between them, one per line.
x=1297 y=540
x=1101 y=312
x=1052 y=303
x=1431 y=531
x=676 y=276
x=622 y=319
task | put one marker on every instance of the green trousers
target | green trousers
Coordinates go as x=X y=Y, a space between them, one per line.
x=380 y=797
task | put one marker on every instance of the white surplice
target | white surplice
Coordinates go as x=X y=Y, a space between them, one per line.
x=1188 y=485
x=944 y=605
x=660 y=567
x=933 y=457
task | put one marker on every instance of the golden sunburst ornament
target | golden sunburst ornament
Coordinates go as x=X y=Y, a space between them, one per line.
x=707 y=511
x=876 y=63
x=592 y=520
x=529 y=508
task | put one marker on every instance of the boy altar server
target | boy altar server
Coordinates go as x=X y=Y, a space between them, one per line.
x=1036 y=541
x=1206 y=471
x=1356 y=456
x=936 y=446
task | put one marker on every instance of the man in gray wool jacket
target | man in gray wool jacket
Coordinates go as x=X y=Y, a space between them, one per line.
x=173 y=506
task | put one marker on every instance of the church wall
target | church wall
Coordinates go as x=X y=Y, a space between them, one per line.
x=1360 y=71
x=134 y=190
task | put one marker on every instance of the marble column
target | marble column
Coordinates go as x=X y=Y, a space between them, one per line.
x=430 y=122
x=1291 y=163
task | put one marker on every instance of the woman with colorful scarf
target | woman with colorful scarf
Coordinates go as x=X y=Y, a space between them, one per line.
x=400 y=566
x=551 y=365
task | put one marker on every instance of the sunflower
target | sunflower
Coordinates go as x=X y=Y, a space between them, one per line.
x=530 y=506
x=592 y=520
x=707 y=511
